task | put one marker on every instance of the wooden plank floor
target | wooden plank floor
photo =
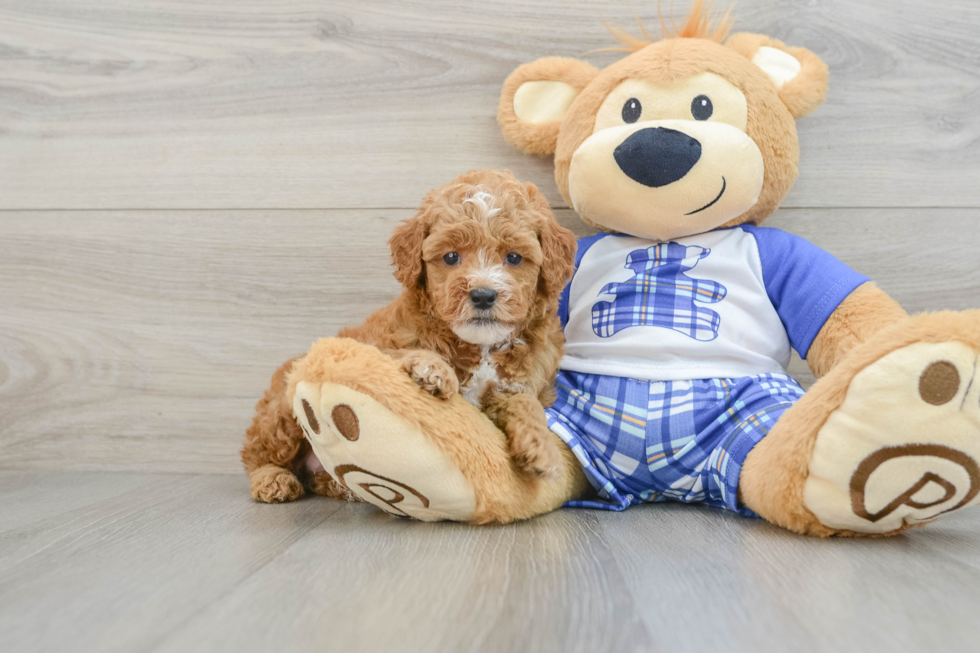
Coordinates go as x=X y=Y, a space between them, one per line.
x=191 y=192
x=150 y=562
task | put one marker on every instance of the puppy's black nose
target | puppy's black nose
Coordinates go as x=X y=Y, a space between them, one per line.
x=483 y=298
x=657 y=156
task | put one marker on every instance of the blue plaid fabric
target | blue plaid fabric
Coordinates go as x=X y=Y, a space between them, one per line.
x=641 y=441
x=661 y=295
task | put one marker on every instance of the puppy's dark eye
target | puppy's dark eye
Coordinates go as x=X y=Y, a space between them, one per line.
x=701 y=107
x=514 y=259
x=452 y=258
x=632 y=110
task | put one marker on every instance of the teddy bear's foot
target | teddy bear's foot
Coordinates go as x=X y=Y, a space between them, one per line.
x=379 y=457
x=394 y=445
x=888 y=440
x=903 y=448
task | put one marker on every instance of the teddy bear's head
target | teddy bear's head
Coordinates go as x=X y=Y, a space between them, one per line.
x=680 y=137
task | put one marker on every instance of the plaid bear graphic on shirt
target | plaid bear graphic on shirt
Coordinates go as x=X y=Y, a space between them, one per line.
x=661 y=294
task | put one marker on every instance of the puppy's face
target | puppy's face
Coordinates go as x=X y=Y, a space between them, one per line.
x=482 y=270
x=483 y=260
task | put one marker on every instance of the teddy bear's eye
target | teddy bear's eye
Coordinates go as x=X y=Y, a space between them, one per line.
x=701 y=107
x=452 y=258
x=632 y=110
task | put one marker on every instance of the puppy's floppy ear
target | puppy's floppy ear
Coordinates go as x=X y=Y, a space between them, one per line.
x=406 y=246
x=557 y=248
x=536 y=98
x=799 y=75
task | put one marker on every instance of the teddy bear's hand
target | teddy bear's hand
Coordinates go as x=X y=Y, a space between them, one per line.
x=431 y=372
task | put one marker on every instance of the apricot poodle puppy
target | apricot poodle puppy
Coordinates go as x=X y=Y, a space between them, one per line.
x=482 y=264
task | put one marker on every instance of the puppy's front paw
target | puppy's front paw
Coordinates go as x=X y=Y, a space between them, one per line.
x=534 y=449
x=432 y=373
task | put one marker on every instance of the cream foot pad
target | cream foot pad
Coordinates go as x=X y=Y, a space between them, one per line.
x=379 y=456
x=905 y=444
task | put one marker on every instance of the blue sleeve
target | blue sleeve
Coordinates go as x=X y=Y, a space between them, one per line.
x=804 y=283
x=583 y=246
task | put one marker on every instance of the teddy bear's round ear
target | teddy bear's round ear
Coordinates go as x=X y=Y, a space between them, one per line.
x=535 y=99
x=798 y=74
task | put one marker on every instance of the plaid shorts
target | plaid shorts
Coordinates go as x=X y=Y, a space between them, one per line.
x=642 y=441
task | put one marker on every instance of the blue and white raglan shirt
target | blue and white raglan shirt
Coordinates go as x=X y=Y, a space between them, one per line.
x=676 y=354
x=725 y=304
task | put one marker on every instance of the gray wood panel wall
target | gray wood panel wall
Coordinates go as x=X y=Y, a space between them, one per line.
x=190 y=193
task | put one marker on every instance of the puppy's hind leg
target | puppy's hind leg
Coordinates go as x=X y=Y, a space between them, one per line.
x=273 y=484
x=271 y=444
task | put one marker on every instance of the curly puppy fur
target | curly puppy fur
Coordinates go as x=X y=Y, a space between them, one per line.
x=484 y=231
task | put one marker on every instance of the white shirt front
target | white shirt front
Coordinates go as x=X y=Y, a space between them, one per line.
x=693 y=308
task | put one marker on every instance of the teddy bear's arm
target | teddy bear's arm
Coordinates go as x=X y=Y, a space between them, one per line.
x=866 y=311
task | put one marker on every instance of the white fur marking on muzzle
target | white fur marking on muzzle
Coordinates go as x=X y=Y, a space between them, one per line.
x=488 y=274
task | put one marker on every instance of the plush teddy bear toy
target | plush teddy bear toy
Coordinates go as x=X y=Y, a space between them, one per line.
x=679 y=322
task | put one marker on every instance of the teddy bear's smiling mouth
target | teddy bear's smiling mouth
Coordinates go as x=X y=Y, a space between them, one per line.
x=724 y=185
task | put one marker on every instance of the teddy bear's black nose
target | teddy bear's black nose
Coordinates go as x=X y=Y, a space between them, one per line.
x=483 y=298
x=657 y=156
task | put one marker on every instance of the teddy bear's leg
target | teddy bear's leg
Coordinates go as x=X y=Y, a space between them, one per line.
x=889 y=439
x=408 y=452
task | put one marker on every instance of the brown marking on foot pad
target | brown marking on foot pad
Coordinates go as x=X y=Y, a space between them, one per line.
x=939 y=383
x=345 y=419
x=310 y=417
x=867 y=467
x=342 y=470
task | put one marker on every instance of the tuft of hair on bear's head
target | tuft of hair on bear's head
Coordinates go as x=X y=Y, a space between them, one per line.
x=699 y=25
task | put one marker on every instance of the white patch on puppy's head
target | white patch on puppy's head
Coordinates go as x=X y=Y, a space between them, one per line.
x=485 y=200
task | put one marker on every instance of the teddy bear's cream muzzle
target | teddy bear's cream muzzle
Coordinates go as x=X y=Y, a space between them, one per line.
x=664 y=179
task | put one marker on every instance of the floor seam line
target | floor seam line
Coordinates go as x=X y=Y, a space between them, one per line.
x=214 y=600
